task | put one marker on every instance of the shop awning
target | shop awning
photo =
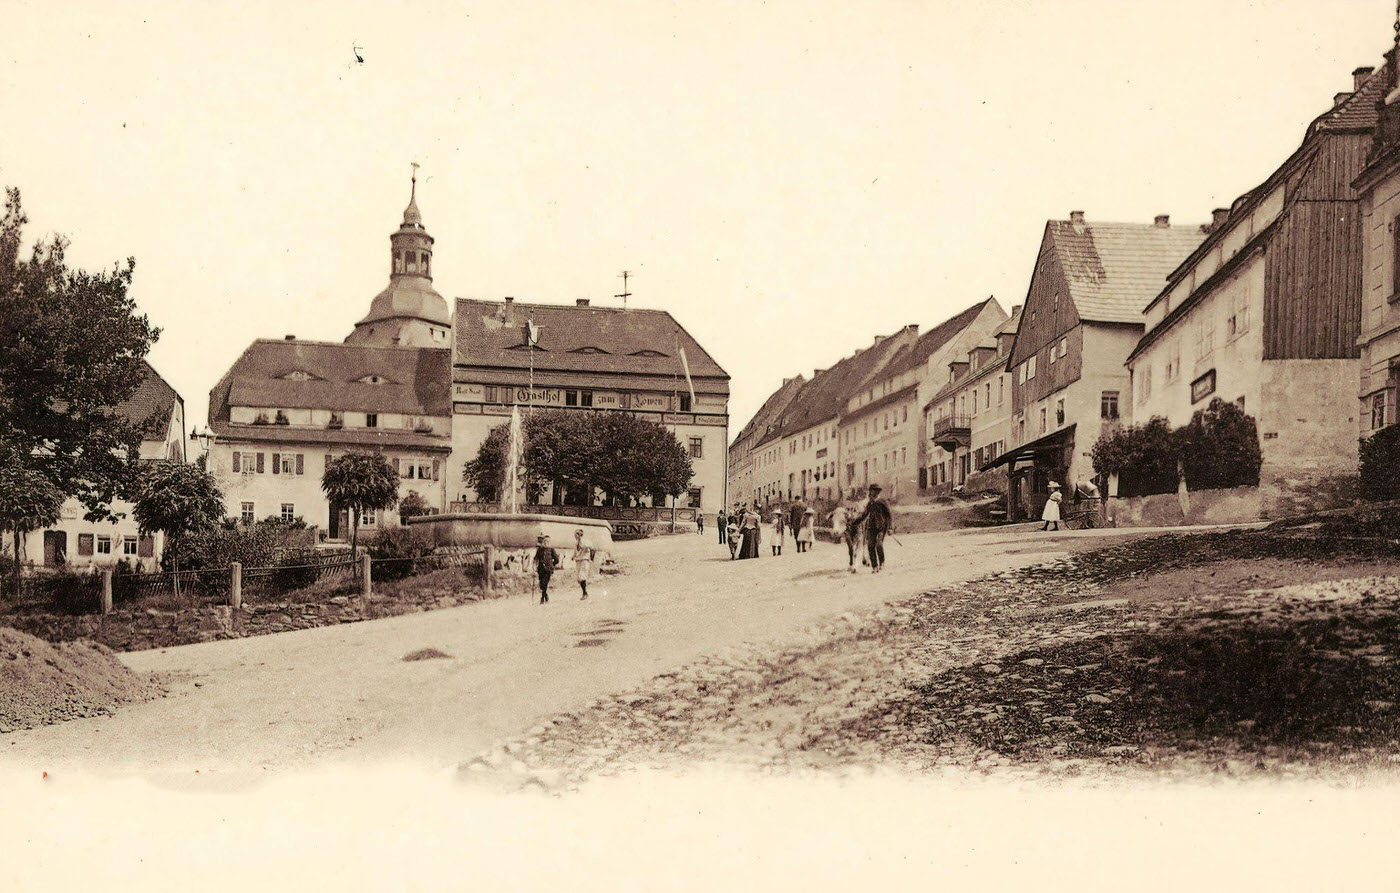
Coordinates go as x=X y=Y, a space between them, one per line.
x=1043 y=446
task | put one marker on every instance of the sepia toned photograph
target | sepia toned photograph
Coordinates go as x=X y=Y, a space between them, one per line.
x=395 y=398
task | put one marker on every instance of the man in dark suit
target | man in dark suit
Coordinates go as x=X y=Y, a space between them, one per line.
x=878 y=521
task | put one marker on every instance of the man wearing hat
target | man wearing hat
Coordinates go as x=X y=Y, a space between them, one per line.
x=546 y=560
x=878 y=521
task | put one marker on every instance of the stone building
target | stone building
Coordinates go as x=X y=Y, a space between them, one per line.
x=743 y=458
x=882 y=436
x=80 y=543
x=1379 y=188
x=969 y=420
x=589 y=359
x=1266 y=313
x=1081 y=319
x=802 y=456
x=287 y=406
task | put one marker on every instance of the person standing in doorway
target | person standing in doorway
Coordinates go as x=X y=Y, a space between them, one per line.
x=546 y=560
x=878 y=521
x=583 y=561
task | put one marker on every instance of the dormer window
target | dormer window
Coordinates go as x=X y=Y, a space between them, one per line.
x=373 y=379
x=647 y=353
x=300 y=375
x=591 y=350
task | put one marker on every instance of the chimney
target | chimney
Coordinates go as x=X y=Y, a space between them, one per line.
x=1340 y=98
x=1219 y=217
x=1015 y=308
x=581 y=302
x=289 y=337
x=509 y=300
x=1162 y=221
x=1359 y=76
x=1076 y=217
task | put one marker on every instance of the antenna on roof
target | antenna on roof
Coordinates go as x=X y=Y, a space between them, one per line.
x=625 y=293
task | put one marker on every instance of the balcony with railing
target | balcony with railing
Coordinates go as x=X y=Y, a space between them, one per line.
x=952 y=431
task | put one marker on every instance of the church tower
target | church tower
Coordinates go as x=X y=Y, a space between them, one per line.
x=408 y=312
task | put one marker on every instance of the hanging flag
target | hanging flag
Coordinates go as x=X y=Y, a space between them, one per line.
x=688 y=383
x=532 y=334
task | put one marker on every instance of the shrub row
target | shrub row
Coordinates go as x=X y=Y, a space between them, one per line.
x=1218 y=448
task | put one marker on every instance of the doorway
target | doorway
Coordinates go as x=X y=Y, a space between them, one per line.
x=55 y=548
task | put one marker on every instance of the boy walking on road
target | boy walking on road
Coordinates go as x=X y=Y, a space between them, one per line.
x=546 y=560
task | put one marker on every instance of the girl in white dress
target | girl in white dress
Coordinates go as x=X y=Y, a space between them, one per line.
x=583 y=562
x=1051 y=513
x=807 y=533
x=779 y=532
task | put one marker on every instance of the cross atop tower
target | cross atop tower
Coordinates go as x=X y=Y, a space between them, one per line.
x=413 y=180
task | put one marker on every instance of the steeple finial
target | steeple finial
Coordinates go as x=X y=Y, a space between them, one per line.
x=411 y=216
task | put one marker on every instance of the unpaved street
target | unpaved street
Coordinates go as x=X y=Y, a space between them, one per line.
x=345 y=693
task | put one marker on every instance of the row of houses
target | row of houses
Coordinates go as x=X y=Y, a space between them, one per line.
x=1286 y=303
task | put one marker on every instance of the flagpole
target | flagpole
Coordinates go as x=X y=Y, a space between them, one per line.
x=675 y=407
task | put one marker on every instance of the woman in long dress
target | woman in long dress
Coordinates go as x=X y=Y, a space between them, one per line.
x=751 y=535
x=1051 y=513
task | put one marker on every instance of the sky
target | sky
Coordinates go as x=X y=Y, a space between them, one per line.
x=788 y=179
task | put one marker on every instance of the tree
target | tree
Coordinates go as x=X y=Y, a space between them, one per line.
x=28 y=501
x=72 y=347
x=179 y=500
x=413 y=505
x=486 y=473
x=1143 y=456
x=620 y=454
x=360 y=482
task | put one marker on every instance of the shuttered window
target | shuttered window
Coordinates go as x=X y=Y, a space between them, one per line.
x=260 y=463
x=301 y=463
x=276 y=463
x=84 y=544
x=235 y=461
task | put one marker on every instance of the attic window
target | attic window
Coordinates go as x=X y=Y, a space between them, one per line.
x=534 y=347
x=373 y=379
x=647 y=353
x=588 y=350
x=299 y=375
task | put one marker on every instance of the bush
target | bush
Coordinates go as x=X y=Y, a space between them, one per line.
x=297 y=569
x=1220 y=448
x=412 y=506
x=254 y=546
x=394 y=551
x=1143 y=456
x=1380 y=464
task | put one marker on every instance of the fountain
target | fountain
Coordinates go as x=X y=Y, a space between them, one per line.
x=507 y=528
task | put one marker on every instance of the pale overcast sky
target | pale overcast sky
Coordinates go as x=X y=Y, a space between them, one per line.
x=787 y=178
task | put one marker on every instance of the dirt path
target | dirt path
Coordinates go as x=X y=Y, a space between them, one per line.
x=345 y=693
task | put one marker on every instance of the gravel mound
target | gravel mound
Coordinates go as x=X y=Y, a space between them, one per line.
x=42 y=683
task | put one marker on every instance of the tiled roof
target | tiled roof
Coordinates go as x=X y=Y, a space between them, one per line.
x=415 y=380
x=916 y=354
x=825 y=396
x=154 y=397
x=773 y=407
x=577 y=339
x=1115 y=269
x=1358 y=112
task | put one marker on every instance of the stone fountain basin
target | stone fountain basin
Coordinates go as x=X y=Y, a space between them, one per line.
x=513 y=531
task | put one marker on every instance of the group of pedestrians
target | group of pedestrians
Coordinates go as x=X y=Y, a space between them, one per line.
x=862 y=529
x=547 y=559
